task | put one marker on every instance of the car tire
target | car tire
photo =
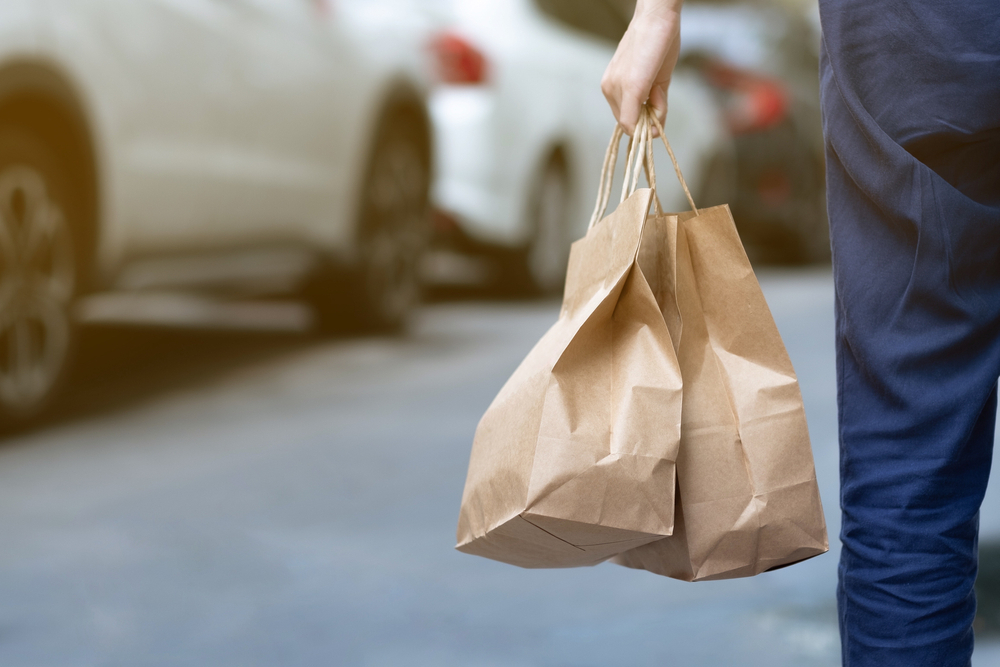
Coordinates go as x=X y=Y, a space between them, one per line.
x=804 y=221
x=38 y=275
x=383 y=286
x=718 y=182
x=540 y=267
x=790 y=226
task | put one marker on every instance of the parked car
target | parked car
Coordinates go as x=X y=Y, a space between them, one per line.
x=762 y=62
x=521 y=128
x=217 y=146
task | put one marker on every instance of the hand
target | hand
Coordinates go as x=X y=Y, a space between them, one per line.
x=641 y=68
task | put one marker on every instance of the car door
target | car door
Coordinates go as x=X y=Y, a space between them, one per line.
x=222 y=116
x=163 y=72
x=579 y=40
x=293 y=75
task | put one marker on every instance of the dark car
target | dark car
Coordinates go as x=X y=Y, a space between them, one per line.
x=763 y=62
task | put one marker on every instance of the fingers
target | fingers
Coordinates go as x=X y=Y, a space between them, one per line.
x=625 y=95
x=611 y=93
x=614 y=85
x=628 y=115
x=627 y=105
x=657 y=104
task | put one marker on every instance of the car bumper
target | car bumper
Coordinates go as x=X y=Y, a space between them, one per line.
x=465 y=185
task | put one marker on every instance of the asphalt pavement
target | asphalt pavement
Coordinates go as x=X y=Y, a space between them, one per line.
x=249 y=499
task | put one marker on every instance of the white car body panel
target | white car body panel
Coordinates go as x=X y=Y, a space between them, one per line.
x=543 y=91
x=221 y=123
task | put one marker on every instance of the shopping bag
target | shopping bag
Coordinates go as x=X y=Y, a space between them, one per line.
x=574 y=461
x=747 y=498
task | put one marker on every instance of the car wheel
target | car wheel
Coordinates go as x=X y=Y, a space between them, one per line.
x=37 y=276
x=547 y=254
x=781 y=201
x=383 y=287
x=718 y=183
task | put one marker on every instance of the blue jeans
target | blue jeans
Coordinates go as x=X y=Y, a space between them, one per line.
x=911 y=113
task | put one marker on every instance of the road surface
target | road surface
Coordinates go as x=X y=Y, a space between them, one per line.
x=249 y=499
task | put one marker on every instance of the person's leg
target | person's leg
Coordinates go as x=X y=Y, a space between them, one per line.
x=917 y=410
x=909 y=533
x=917 y=273
x=917 y=413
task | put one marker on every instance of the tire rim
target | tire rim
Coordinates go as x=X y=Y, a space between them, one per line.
x=36 y=286
x=549 y=249
x=396 y=199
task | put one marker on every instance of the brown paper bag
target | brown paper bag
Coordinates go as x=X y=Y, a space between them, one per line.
x=574 y=461
x=747 y=498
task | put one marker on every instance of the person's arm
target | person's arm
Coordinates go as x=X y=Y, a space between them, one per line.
x=644 y=61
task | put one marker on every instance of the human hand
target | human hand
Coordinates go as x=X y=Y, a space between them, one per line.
x=644 y=61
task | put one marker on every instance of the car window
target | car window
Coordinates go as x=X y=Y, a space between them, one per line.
x=597 y=18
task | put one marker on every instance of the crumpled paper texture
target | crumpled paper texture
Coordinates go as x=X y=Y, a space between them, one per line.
x=575 y=459
x=659 y=421
x=748 y=500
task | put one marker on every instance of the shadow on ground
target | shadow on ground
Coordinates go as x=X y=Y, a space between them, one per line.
x=119 y=366
x=116 y=366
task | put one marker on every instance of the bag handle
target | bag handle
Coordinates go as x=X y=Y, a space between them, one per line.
x=607 y=173
x=650 y=170
x=608 y=169
x=644 y=153
x=673 y=160
x=636 y=152
x=647 y=166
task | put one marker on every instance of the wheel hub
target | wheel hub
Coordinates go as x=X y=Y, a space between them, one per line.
x=397 y=234
x=36 y=287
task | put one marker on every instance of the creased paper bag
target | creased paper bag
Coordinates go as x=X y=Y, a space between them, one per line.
x=747 y=497
x=574 y=461
x=659 y=421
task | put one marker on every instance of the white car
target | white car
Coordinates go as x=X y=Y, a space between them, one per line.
x=521 y=126
x=203 y=145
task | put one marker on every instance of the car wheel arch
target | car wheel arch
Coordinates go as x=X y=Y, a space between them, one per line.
x=42 y=98
x=398 y=97
x=374 y=284
x=560 y=150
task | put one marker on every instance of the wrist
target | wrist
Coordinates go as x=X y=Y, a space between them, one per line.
x=658 y=9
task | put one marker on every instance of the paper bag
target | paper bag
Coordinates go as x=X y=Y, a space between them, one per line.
x=659 y=421
x=574 y=461
x=747 y=498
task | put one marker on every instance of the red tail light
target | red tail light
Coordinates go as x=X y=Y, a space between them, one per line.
x=457 y=60
x=753 y=102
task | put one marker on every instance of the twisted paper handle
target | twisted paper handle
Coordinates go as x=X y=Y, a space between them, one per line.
x=673 y=160
x=640 y=148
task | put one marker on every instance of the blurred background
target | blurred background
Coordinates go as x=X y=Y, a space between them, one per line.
x=264 y=264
